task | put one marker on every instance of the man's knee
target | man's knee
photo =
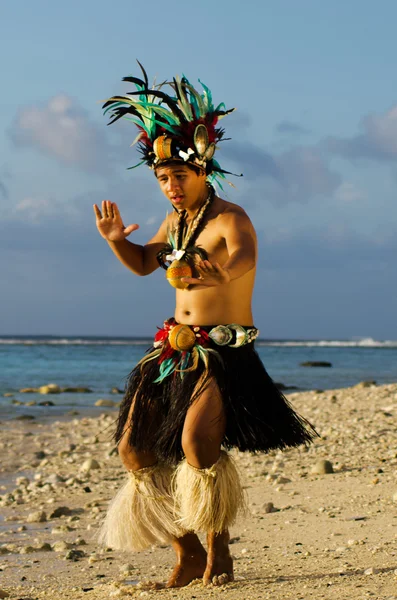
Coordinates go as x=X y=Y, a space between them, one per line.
x=200 y=450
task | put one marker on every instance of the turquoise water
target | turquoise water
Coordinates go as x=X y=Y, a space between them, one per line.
x=101 y=364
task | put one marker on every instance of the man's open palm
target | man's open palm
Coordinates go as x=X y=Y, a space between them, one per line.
x=110 y=224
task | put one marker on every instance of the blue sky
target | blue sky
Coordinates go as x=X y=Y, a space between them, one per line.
x=315 y=135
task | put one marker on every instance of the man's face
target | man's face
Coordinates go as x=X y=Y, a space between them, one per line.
x=181 y=185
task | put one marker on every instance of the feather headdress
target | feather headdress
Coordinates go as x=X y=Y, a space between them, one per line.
x=181 y=127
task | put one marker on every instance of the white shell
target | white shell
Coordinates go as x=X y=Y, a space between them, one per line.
x=241 y=335
x=221 y=335
x=175 y=255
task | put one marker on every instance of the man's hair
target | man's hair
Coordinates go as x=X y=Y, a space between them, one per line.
x=178 y=163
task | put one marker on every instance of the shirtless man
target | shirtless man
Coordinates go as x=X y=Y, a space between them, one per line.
x=202 y=386
x=221 y=294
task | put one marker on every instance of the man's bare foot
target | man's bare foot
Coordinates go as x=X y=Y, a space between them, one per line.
x=219 y=568
x=192 y=561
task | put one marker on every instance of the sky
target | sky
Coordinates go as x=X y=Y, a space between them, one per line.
x=314 y=133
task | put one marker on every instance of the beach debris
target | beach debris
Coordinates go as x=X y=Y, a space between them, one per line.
x=90 y=464
x=322 y=467
x=62 y=529
x=24 y=418
x=106 y=403
x=36 y=517
x=27 y=550
x=316 y=363
x=61 y=546
x=40 y=454
x=22 y=481
x=269 y=507
x=371 y=571
x=74 y=555
x=50 y=388
x=80 y=541
x=76 y=390
x=54 y=478
x=365 y=384
x=281 y=480
x=61 y=511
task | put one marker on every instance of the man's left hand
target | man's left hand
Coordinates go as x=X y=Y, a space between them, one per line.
x=209 y=275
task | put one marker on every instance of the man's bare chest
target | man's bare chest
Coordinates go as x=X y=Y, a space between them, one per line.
x=210 y=240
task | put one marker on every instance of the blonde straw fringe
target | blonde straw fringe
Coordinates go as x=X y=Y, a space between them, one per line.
x=143 y=512
x=208 y=499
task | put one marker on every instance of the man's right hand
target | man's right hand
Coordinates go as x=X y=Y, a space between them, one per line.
x=110 y=224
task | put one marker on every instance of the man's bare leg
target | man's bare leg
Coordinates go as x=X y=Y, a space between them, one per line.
x=190 y=553
x=201 y=441
x=191 y=561
x=219 y=568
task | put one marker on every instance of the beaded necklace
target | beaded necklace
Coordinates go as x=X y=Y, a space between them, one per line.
x=181 y=240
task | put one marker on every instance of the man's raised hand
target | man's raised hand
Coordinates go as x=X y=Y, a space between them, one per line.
x=210 y=274
x=110 y=224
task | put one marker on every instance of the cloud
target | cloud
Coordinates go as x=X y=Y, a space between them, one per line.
x=296 y=175
x=3 y=190
x=63 y=130
x=335 y=246
x=291 y=128
x=348 y=192
x=378 y=140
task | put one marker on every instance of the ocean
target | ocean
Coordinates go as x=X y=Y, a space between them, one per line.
x=103 y=363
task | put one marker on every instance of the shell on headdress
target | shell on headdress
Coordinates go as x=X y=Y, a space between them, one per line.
x=241 y=335
x=201 y=139
x=181 y=337
x=221 y=335
x=209 y=153
x=162 y=147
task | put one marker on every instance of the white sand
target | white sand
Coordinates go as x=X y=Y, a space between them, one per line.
x=334 y=535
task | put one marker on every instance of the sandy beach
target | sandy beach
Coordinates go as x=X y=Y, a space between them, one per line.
x=310 y=534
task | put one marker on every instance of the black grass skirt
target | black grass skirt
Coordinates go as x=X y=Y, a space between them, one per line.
x=258 y=416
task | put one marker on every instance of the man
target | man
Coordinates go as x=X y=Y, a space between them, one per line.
x=202 y=385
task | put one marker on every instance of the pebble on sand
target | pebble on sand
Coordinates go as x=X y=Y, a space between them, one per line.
x=371 y=571
x=90 y=464
x=322 y=467
x=4 y=594
x=50 y=388
x=61 y=511
x=106 y=403
x=269 y=507
x=36 y=517
x=61 y=546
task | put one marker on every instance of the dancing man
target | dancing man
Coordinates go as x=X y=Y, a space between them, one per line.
x=201 y=389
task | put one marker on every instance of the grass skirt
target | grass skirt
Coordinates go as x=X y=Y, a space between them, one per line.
x=258 y=416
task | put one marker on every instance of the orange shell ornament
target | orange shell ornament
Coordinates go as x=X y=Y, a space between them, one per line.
x=181 y=337
x=175 y=272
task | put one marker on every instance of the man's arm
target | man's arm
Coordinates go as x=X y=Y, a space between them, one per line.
x=141 y=260
x=239 y=234
x=240 y=238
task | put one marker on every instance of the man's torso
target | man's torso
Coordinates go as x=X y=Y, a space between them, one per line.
x=221 y=304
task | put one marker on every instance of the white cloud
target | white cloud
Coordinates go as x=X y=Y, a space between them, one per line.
x=378 y=140
x=63 y=130
x=296 y=175
x=348 y=192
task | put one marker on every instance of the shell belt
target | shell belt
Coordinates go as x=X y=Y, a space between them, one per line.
x=179 y=348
